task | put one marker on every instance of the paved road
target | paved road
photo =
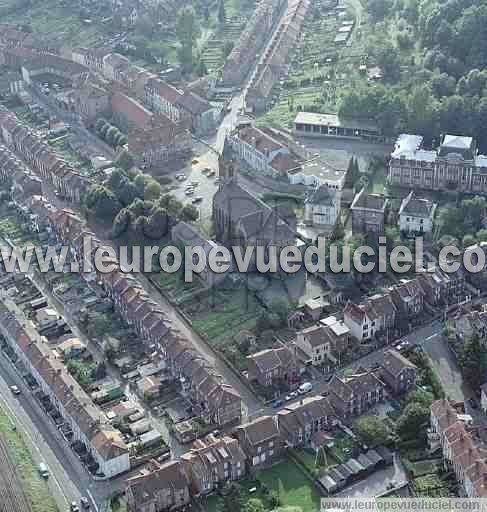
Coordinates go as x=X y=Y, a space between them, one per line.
x=32 y=422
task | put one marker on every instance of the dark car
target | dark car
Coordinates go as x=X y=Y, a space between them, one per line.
x=473 y=403
x=277 y=403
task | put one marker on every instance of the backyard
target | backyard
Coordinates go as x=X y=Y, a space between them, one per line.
x=284 y=483
x=35 y=487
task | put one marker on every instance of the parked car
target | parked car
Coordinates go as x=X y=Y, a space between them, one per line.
x=74 y=507
x=85 y=504
x=277 y=403
x=305 y=387
x=197 y=199
x=473 y=403
x=43 y=470
x=15 y=390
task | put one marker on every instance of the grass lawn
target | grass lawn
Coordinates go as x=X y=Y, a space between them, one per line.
x=342 y=447
x=291 y=485
x=224 y=313
x=308 y=458
x=51 y=18
x=34 y=486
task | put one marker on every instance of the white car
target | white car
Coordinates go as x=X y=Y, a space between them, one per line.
x=189 y=191
x=15 y=390
x=306 y=387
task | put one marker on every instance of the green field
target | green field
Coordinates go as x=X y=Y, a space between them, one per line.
x=35 y=487
x=291 y=485
x=284 y=480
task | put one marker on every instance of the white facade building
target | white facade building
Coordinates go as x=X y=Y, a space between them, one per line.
x=416 y=215
x=322 y=207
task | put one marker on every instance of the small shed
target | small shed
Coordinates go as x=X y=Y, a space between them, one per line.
x=340 y=480
x=151 y=438
x=355 y=467
x=366 y=462
x=328 y=483
x=344 y=470
x=385 y=453
x=373 y=456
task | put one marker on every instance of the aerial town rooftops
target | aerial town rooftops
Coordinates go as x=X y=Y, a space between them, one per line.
x=75 y=401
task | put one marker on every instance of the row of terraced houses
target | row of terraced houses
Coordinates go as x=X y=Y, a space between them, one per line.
x=214 y=461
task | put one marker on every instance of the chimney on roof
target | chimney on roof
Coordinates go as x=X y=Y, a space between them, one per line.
x=58 y=371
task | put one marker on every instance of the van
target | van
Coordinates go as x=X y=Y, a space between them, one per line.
x=306 y=387
x=43 y=470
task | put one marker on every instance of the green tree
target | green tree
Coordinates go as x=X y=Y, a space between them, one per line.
x=221 y=12
x=187 y=31
x=111 y=134
x=410 y=425
x=98 y=325
x=189 y=213
x=227 y=48
x=100 y=123
x=157 y=224
x=378 y=9
x=472 y=359
x=120 y=223
x=254 y=505
x=152 y=190
x=372 y=430
x=102 y=202
x=425 y=398
x=281 y=308
x=127 y=192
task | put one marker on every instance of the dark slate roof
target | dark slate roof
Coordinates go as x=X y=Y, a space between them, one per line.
x=369 y=201
x=322 y=195
x=260 y=430
x=395 y=363
x=145 y=488
x=457 y=144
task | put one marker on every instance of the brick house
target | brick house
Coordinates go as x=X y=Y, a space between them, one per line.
x=375 y=315
x=441 y=287
x=462 y=448
x=398 y=372
x=299 y=422
x=260 y=440
x=261 y=152
x=454 y=165
x=276 y=365
x=213 y=462
x=181 y=106
x=368 y=213
x=323 y=343
x=408 y=297
x=355 y=395
x=164 y=488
